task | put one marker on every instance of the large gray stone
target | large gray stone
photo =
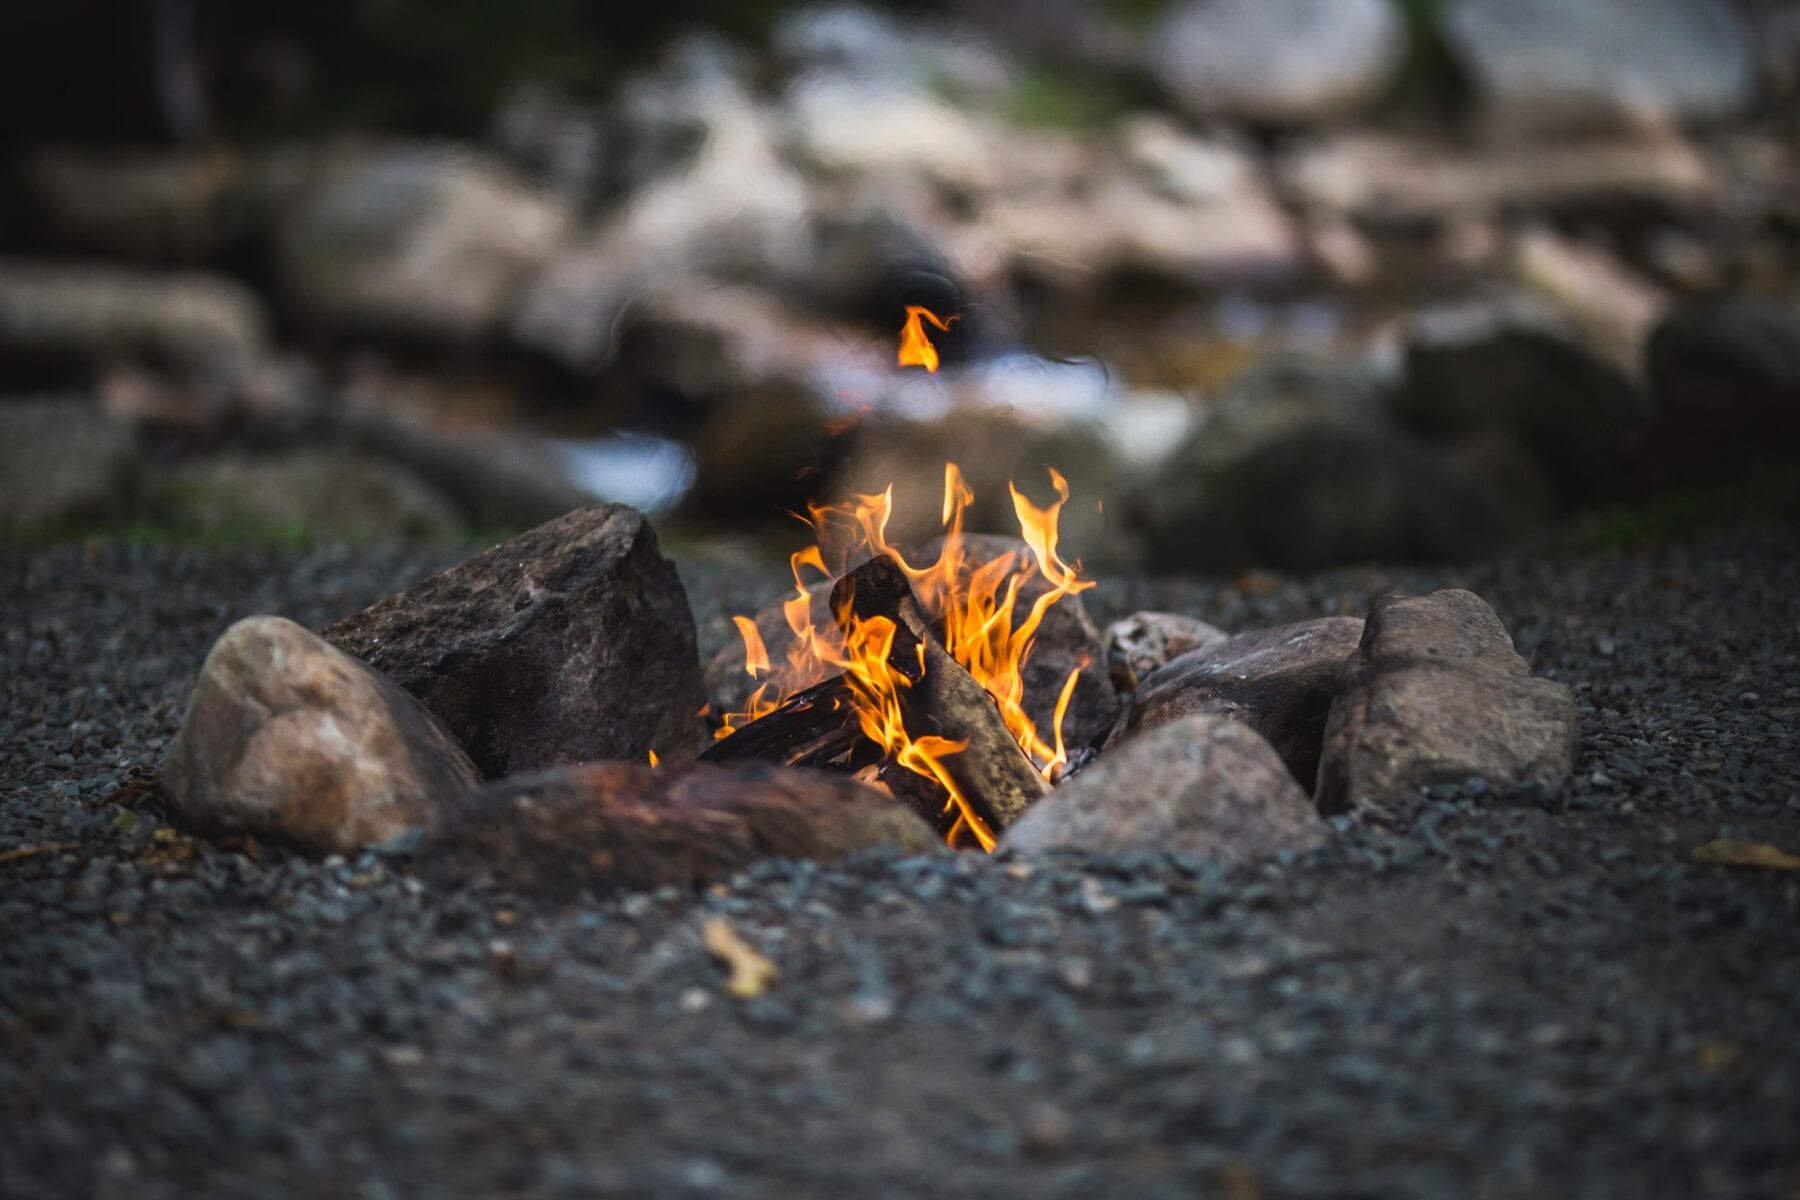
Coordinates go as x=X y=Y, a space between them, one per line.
x=1280 y=682
x=1202 y=785
x=1298 y=466
x=288 y=737
x=414 y=239
x=630 y=825
x=1277 y=61
x=1557 y=64
x=1725 y=377
x=1499 y=369
x=570 y=643
x=1437 y=695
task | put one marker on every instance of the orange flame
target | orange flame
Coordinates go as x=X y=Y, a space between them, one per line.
x=974 y=607
x=916 y=349
x=655 y=761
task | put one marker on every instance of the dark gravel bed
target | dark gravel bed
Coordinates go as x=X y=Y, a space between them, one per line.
x=1464 y=994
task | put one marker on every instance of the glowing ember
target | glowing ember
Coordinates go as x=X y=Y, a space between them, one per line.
x=916 y=349
x=975 y=607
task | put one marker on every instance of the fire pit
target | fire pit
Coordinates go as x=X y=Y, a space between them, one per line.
x=952 y=694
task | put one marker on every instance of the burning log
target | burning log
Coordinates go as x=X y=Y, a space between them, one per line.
x=939 y=700
x=991 y=772
x=814 y=728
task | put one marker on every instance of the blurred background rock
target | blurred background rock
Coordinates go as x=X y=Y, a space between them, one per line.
x=1273 y=283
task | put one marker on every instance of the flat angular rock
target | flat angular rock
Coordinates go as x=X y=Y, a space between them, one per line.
x=1202 y=785
x=1139 y=644
x=629 y=825
x=1437 y=694
x=1279 y=682
x=288 y=737
x=570 y=643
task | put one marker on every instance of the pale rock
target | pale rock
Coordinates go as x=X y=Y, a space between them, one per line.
x=288 y=737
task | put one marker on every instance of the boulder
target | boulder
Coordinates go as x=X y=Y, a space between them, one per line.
x=1495 y=368
x=53 y=312
x=1196 y=213
x=1298 y=467
x=1725 y=378
x=414 y=239
x=63 y=462
x=852 y=126
x=1277 y=62
x=1203 y=785
x=288 y=737
x=1552 y=65
x=570 y=643
x=709 y=197
x=1139 y=644
x=316 y=494
x=617 y=824
x=1279 y=682
x=1437 y=695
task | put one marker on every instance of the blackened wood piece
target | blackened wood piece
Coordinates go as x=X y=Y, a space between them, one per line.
x=814 y=724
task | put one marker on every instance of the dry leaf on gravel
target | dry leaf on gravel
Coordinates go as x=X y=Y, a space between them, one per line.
x=1746 y=854
x=752 y=972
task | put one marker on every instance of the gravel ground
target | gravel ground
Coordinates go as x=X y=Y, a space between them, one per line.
x=1463 y=994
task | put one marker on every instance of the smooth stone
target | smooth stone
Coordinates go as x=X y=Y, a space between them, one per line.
x=288 y=737
x=1202 y=785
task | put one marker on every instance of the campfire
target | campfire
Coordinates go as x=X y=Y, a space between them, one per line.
x=913 y=677
x=531 y=713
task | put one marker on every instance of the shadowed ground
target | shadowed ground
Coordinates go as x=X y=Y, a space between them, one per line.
x=1459 y=995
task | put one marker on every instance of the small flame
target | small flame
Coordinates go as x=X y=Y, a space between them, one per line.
x=916 y=349
x=974 y=607
x=655 y=761
x=756 y=656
